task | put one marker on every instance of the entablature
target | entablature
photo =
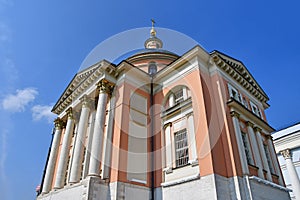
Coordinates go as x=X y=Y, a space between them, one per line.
x=82 y=81
x=249 y=115
x=239 y=72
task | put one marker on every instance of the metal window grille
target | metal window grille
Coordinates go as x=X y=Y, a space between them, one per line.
x=247 y=149
x=181 y=148
x=178 y=96
x=268 y=158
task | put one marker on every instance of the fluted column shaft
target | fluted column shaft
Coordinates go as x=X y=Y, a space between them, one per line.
x=52 y=157
x=255 y=150
x=62 y=163
x=292 y=172
x=97 y=143
x=76 y=166
x=263 y=153
x=236 y=124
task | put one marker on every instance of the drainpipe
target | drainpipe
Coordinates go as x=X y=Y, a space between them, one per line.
x=152 y=71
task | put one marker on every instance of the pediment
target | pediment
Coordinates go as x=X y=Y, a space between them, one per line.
x=81 y=80
x=238 y=71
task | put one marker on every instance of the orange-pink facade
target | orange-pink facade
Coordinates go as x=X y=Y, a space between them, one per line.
x=197 y=121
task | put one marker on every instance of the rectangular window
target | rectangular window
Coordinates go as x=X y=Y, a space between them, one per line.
x=255 y=109
x=234 y=93
x=247 y=149
x=181 y=148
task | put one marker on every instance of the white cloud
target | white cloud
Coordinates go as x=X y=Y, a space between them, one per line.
x=42 y=112
x=17 y=102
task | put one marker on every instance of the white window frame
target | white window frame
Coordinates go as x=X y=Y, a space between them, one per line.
x=238 y=96
x=255 y=109
x=245 y=103
x=178 y=98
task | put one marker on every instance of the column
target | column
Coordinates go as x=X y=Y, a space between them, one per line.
x=263 y=153
x=168 y=148
x=62 y=163
x=274 y=158
x=97 y=144
x=254 y=145
x=90 y=131
x=239 y=140
x=193 y=160
x=76 y=166
x=292 y=172
x=53 y=156
x=107 y=143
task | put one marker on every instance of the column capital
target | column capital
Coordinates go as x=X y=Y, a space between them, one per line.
x=268 y=137
x=105 y=86
x=248 y=123
x=58 y=123
x=85 y=101
x=257 y=129
x=189 y=114
x=70 y=113
x=167 y=124
x=287 y=154
x=235 y=114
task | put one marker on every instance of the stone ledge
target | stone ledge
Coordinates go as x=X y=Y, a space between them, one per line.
x=182 y=180
x=259 y=180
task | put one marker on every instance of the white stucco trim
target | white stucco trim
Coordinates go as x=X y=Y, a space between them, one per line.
x=182 y=180
x=274 y=185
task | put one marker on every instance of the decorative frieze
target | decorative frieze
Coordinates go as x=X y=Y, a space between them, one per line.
x=244 y=79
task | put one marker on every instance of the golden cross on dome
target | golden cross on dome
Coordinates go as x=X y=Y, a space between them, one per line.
x=153 y=31
x=153 y=22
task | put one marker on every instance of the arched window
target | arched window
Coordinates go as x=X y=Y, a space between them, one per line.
x=176 y=96
x=179 y=133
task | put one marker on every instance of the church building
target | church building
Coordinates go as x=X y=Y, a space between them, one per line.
x=163 y=126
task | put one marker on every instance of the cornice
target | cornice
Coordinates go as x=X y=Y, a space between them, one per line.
x=239 y=72
x=196 y=52
x=236 y=106
x=152 y=55
x=81 y=82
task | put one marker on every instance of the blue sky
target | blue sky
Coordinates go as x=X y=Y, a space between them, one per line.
x=43 y=43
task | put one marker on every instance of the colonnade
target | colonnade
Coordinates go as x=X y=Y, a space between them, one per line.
x=56 y=170
x=258 y=149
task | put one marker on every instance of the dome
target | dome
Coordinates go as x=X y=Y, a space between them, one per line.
x=153 y=53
